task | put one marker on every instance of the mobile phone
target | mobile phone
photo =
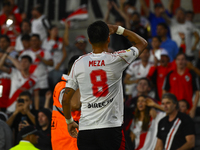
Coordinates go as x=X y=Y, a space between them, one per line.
x=9 y=22
x=1 y=90
x=20 y=100
x=23 y=118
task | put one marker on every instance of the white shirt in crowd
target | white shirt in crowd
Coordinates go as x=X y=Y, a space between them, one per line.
x=38 y=68
x=17 y=80
x=98 y=77
x=40 y=26
x=136 y=70
x=150 y=139
x=188 y=29
x=55 y=48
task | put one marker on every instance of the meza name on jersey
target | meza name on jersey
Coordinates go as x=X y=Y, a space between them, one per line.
x=95 y=63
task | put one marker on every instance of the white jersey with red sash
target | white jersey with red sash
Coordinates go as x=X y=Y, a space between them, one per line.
x=19 y=84
x=38 y=68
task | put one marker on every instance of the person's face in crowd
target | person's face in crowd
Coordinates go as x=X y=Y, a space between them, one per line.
x=183 y=107
x=141 y=103
x=189 y=17
x=129 y=10
x=54 y=32
x=43 y=119
x=164 y=60
x=26 y=28
x=4 y=44
x=35 y=13
x=81 y=45
x=158 y=11
x=143 y=86
x=169 y=106
x=25 y=64
x=26 y=44
x=27 y=101
x=136 y=19
x=145 y=55
x=35 y=42
x=180 y=16
x=155 y=43
x=33 y=138
x=181 y=62
x=161 y=31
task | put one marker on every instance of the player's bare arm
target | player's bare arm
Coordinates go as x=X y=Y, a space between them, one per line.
x=66 y=104
x=136 y=40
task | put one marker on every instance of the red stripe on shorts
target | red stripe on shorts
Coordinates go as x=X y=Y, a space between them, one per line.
x=122 y=146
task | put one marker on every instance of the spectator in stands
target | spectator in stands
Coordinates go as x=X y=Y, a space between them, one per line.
x=137 y=27
x=40 y=24
x=169 y=45
x=155 y=51
x=144 y=125
x=178 y=125
x=135 y=71
x=156 y=17
x=180 y=25
x=29 y=137
x=21 y=79
x=118 y=42
x=79 y=48
x=185 y=80
x=54 y=44
x=22 y=114
x=143 y=88
x=5 y=136
x=25 y=29
x=189 y=15
x=184 y=106
x=25 y=39
x=44 y=121
x=157 y=73
x=41 y=59
x=7 y=11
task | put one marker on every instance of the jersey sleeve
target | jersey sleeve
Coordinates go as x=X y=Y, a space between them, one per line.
x=159 y=128
x=72 y=80
x=128 y=56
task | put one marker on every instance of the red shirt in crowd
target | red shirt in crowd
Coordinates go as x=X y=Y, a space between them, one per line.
x=3 y=19
x=157 y=76
x=182 y=86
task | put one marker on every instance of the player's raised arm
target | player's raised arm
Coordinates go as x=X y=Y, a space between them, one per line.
x=136 y=40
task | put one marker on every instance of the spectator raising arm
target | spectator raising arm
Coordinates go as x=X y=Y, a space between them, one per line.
x=145 y=8
x=2 y=60
x=66 y=35
x=170 y=6
x=46 y=62
x=197 y=38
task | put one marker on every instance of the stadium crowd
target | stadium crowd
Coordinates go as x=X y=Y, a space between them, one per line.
x=33 y=58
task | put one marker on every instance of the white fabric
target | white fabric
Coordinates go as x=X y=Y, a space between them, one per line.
x=107 y=111
x=136 y=70
x=41 y=71
x=57 y=53
x=37 y=27
x=19 y=46
x=17 y=80
x=188 y=29
x=151 y=139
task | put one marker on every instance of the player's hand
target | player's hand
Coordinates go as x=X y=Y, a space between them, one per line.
x=112 y=29
x=72 y=129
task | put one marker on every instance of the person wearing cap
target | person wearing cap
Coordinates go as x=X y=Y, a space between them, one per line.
x=155 y=17
x=77 y=48
x=60 y=137
x=29 y=137
x=157 y=73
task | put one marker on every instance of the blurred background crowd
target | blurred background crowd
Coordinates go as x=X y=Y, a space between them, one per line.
x=38 y=38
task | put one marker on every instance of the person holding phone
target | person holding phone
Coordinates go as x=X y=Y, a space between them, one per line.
x=22 y=114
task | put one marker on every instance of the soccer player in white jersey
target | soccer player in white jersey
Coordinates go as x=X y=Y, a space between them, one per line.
x=98 y=77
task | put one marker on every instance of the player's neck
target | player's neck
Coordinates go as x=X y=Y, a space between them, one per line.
x=25 y=73
x=100 y=48
x=181 y=71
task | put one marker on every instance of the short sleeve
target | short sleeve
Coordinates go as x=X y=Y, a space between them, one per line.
x=72 y=80
x=158 y=133
x=128 y=55
x=188 y=126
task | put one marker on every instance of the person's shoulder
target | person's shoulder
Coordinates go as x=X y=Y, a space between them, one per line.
x=163 y=120
x=184 y=117
x=82 y=58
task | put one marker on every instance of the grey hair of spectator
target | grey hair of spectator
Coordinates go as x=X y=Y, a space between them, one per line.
x=171 y=97
x=181 y=9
